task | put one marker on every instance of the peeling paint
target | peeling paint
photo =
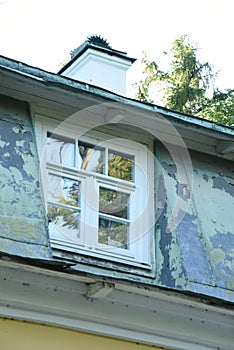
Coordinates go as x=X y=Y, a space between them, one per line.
x=170 y=270
x=165 y=244
x=205 y=177
x=197 y=256
x=192 y=249
x=218 y=255
x=222 y=255
x=194 y=254
x=170 y=169
x=24 y=249
x=23 y=229
x=9 y=139
x=183 y=191
x=161 y=196
x=189 y=256
x=223 y=185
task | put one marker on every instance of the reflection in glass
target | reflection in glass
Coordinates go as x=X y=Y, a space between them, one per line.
x=120 y=166
x=63 y=190
x=113 y=233
x=113 y=203
x=64 y=222
x=91 y=158
x=60 y=151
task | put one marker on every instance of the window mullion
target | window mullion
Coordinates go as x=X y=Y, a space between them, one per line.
x=114 y=218
x=76 y=153
x=106 y=162
x=90 y=211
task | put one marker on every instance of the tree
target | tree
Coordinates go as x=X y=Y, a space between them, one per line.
x=220 y=108
x=186 y=86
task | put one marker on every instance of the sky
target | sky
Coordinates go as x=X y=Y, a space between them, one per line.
x=42 y=33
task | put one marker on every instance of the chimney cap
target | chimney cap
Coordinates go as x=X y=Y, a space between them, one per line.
x=98 y=40
x=98 y=43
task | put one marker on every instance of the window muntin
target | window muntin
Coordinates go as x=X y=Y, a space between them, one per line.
x=88 y=226
x=113 y=228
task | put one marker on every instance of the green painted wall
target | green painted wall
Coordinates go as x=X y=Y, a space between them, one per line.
x=196 y=255
x=22 y=218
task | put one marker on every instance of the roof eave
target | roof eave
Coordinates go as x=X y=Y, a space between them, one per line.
x=55 y=80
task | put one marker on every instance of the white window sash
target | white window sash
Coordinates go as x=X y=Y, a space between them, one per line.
x=139 y=252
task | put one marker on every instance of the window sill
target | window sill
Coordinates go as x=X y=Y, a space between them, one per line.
x=87 y=254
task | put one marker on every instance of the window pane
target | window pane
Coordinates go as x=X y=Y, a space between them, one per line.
x=120 y=166
x=63 y=223
x=63 y=190
x=113 y=203
x=113 y=233
x=91 y=158
x=60 y=151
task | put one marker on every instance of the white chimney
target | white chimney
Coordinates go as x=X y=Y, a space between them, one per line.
x=95 y=62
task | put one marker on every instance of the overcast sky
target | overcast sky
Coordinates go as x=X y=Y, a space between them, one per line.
x=43 y=32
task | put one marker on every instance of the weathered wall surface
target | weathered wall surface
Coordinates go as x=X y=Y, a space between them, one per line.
x=198 y=254
x=22 y=217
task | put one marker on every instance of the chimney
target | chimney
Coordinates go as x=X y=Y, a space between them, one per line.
x=95 y=62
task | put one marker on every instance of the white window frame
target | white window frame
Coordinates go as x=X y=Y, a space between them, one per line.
x=141 y=221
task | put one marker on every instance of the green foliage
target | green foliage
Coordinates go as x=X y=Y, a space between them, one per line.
x=120 y=167
x=68 y=216
x=113 y=233
x=186 y=84
x=220 y=108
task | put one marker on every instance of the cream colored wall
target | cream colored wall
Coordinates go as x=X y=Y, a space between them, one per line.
x=27 y=336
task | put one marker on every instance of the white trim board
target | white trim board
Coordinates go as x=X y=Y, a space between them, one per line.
x=156 y=318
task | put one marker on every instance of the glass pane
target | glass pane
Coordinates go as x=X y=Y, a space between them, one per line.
x=113 y=233
x=63 y=223
x=60 y=151
x=120 y=166
x=63 y=190
x=113 y=203
x=91 y=158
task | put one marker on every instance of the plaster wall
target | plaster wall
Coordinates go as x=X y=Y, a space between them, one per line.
x=27 y=336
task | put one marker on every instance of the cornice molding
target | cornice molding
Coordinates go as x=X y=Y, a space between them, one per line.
x=152 y=317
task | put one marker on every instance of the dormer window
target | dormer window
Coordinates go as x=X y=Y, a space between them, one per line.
x=94 y=195
x=97 y=196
